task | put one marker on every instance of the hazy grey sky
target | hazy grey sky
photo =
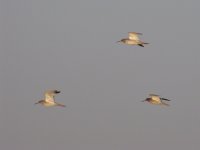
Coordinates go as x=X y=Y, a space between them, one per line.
x=71 y=46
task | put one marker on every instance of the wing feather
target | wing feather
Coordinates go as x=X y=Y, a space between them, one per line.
x=49 y=95
x=163 y=103
x=134 y=36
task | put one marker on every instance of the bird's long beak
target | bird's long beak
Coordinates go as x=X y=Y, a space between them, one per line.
x=118 y=41
x=143 y=100
x=37 y=103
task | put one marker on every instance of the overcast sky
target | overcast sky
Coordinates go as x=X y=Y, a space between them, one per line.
x=70 y=45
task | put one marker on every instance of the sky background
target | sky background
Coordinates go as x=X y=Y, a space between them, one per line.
x=70 y=45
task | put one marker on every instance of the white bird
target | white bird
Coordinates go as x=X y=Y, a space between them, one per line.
x=133 y=39
x=156 y=100
x=49 y=99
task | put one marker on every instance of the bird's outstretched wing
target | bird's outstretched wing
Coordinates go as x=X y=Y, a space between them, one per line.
x=165 y=99
x=134 y=36
x=165 y=104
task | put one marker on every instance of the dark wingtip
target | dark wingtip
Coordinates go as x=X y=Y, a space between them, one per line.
x=37 y=103
x=141 y=45
x=165 y=99
x=56 y=91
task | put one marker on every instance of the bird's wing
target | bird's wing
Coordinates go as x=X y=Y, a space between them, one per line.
x=165 y=104
x=134 y=35
x=155 y=97
x=165 y=99
x=49 y=95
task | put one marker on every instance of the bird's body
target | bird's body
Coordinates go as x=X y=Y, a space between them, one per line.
x=49 y=99
x=156 y=100
x=133 y=39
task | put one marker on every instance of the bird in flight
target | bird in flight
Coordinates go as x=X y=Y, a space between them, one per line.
x=49 y=99
x=156 y=100
x=133 y=39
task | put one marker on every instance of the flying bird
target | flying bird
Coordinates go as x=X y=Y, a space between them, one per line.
x=49 y=99
x=133 y=39
x=156 y=100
